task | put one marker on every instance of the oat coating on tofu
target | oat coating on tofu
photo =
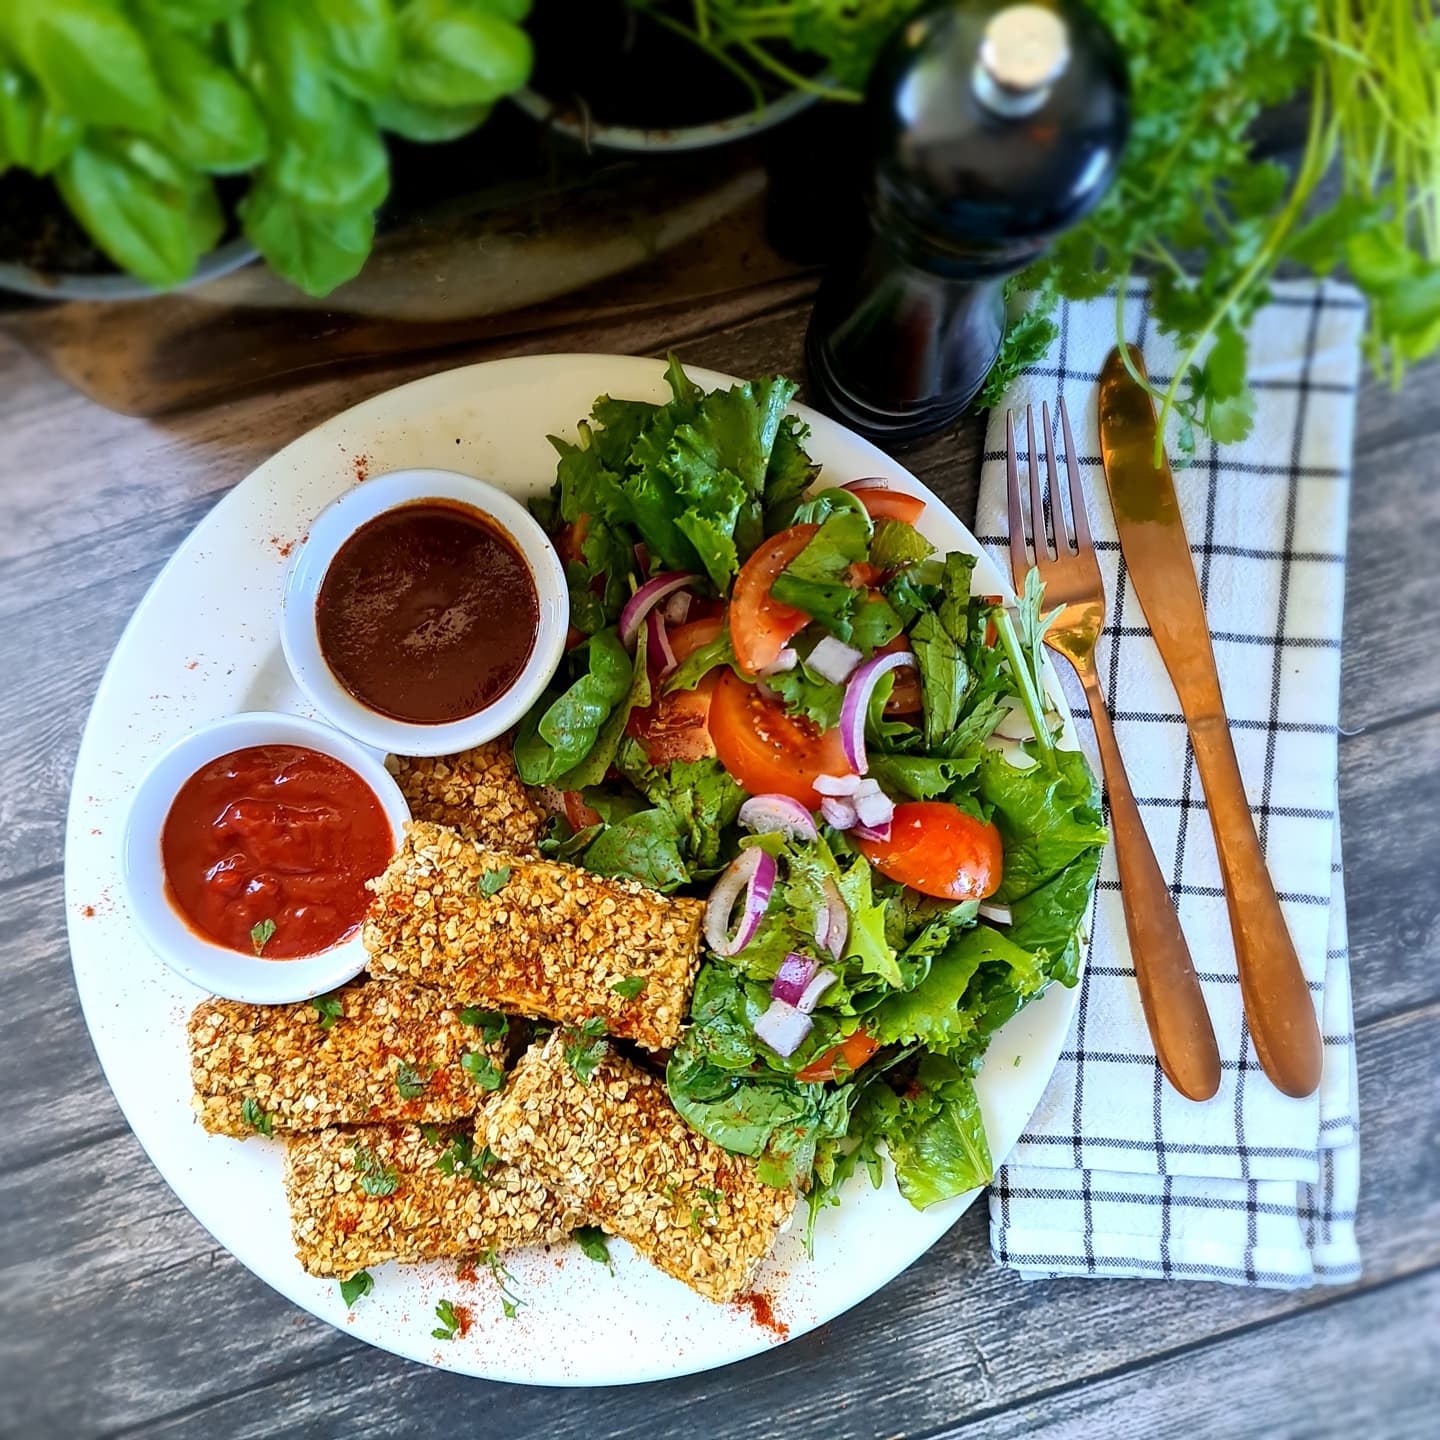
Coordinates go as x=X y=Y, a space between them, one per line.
x=616 y=1148
x=391 y=1053
x=476 y=792
x=547 y=940
x=387 y=1192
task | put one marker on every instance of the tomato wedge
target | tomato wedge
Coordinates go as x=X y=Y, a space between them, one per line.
x=884 y=504
x=849 y=1055
x=767 y=750
x=579 y=815
x=759 y=625
x=676 y=726
x=938 y=849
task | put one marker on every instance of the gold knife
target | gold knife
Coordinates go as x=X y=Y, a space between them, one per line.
x=1157 y=556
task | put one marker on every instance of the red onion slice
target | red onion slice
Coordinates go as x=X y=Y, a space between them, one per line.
x=777 y=815
x=867 y=832
x=795 y=973
x=677 y=607
x=873 y=808
x=752 y=871
x=660 y=655
x=996 y=914
x=639 y=605
x=839 y=813
x=783 y=1028
x=857 y=704
x=833 y=660
x=836 y=918
x=819 y=984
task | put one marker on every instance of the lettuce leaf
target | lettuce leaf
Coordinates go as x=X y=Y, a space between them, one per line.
x=939 y=1148
x=817 y=579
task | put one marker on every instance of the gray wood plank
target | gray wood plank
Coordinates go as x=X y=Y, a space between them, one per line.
x=953 y=1335
x=1315 y=1381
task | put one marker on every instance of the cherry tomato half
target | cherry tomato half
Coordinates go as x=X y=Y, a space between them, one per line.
x=849 y=1055
x=767 y=750
x=938 y=849
x=760 y=625
x=882 y=503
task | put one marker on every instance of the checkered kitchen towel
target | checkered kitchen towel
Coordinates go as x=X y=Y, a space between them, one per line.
x=1116 y=1174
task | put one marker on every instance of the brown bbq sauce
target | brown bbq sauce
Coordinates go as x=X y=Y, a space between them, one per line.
x=428 y=613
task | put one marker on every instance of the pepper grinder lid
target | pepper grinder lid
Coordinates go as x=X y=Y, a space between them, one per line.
x=994 y=127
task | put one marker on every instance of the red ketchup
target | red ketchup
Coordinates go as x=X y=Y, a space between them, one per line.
x=267 y=850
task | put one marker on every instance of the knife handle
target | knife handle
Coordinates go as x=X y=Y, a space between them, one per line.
x=1278 y=1004
x=1169 y=988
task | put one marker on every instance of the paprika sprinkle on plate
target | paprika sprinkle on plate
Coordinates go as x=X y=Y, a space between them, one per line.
x=428 y=613
x=267 y=850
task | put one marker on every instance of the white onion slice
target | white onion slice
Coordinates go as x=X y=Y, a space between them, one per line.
x=787 y=660
x=1014 y=723
x=752 y=871
x=839 y=785
x=677 y=607
x=996 y=914
x=833 y=660
x=818 y=985
x=873 y=808
x=639 y=605
x=783 y=1028
x=857 y=704
x=838 y=813
x=777 y=815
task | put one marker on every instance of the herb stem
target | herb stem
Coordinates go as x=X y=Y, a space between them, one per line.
x=1029 y=697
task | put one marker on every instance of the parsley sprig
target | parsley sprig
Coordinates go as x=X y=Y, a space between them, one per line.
x=449 y=1325
x=255 y=1117
x=460 y=1159
x=482 y=1070
x=360 y=1283
x=376 y=1178
x=585 y=1046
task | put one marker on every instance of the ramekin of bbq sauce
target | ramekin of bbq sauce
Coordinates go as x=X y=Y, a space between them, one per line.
x=247 y=853
x=425 y=612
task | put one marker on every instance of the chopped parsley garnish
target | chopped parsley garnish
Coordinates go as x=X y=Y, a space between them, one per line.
x=592 y=1242
x=510 y=1302
x=482 y=1070
x=255 y=1117
x=585 y=1046
x=376 y=1178
x=629 y=987
x=330 y=1009
x=449 y=1325
x=433 y=1134
x=460 y=1159
x=261 y=933
x=360 y=1283
x=491 y=1023
x=710 y=1199
x=411 y=1080
x=494 y=880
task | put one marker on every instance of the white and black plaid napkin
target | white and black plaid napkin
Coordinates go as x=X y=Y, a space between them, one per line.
x=1116 y=1174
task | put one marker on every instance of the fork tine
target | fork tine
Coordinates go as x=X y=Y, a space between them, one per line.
x=1041 y=540
x=1057 y=507
x=1077 y=494
x=1019 y=561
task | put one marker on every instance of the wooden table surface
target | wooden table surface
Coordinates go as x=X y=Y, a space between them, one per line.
x=120 y=1316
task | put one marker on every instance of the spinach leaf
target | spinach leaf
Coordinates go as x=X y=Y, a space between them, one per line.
x=556 y=736
x=644 y=847
x=700 y=797
x=592 y=769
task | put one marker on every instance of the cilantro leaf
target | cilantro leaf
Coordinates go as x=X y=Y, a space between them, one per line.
x=461 y=1160
x=359 y=1284
x=593 y=1244
x=492 y=1024
x=330 y=1008
x=411 y=1080
x=585 y=1046
x=493 y=881
x=376 y=1178
x=262 y=932
x=629 y=987
x=482 y=1070
x=255 y=1117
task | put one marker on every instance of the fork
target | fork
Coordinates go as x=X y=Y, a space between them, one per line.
x=1065 y=557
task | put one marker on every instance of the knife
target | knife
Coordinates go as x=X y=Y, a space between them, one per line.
x=1157 y=556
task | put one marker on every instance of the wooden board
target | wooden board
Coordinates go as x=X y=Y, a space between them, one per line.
x=121 y=1317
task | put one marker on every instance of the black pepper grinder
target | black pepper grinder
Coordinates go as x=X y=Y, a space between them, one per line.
x=993 y=128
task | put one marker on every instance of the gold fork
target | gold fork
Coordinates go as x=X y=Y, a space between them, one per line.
x=1169 y=988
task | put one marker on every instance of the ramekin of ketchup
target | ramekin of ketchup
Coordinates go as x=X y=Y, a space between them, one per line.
x=425 y=612
x=248 y=850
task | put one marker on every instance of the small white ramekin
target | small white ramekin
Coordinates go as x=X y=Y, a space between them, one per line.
x=216 y=968
x=334 y=526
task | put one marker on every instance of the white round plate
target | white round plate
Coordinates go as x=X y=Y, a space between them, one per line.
x=205 y=642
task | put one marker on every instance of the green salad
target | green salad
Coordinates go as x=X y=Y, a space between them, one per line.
x=781 y=699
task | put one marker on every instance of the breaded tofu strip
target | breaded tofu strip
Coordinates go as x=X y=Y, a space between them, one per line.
x=385 y=1192
x=550 y=940
x=302 y=1069
x=476 y=792
x=616 y=1148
